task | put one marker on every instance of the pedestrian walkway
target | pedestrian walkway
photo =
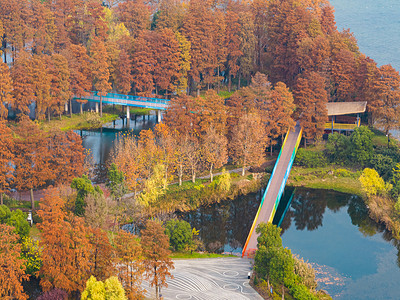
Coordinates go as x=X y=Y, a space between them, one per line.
x=209 y=279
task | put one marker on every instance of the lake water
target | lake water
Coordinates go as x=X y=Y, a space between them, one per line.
x=354 y=257
x=376 y=25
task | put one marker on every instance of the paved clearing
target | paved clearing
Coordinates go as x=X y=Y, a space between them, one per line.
x=209 y=279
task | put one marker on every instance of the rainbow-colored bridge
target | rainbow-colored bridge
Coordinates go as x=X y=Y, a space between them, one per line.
x=275 y=187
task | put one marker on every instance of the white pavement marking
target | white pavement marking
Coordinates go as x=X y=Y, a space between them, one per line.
x=208 y=279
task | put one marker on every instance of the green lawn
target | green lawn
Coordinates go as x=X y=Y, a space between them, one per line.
x=328 y=178
x=87 y=120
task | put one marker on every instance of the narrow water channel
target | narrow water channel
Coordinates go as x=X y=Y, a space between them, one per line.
x=354 y=257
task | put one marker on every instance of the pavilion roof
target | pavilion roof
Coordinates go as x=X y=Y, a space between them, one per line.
x=345 y=108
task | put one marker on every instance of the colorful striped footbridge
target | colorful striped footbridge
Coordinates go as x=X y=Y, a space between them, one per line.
x=275 y=187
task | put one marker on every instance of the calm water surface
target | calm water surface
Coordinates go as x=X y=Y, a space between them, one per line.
x=355 y=258
x=376 y=25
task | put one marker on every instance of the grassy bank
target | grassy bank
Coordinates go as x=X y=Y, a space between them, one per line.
x=328 y=178
x=87 y=120
x=191 y=195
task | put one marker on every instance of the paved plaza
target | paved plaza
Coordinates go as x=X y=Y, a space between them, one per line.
x=209 y=279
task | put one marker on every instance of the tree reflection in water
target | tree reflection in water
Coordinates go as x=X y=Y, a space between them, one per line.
x=224 y=226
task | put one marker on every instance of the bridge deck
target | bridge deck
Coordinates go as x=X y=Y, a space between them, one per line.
x=275 y=187
x=128 y=100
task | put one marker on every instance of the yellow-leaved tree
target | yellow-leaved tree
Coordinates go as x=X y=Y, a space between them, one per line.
x=373 y=184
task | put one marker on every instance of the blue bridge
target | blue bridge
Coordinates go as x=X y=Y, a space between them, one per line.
x=128 y=101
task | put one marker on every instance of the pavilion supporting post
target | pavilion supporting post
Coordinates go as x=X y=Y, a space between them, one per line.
x=332 y=124
x=159 y=116
x=358 y=120
x=128 y=115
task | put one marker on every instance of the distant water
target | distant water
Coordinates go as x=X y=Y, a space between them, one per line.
x=376 y=25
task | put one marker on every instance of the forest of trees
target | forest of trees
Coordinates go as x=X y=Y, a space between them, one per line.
x=56 y=49
x=283 y=60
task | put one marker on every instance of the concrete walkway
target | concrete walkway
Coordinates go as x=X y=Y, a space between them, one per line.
x=208 y=279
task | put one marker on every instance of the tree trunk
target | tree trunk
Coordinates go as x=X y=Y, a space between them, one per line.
x=32 y=201
x=243 y=170
x=211 y=173
x=1 y=198
x=48 y=114
x=193 y=176
x=239 y=80
x=229 y=83
x=219 y=82
x=180 y=173
x=70 y=107
x=283 y=293
x=305 y=142
x=81 y=104
x=101 y=106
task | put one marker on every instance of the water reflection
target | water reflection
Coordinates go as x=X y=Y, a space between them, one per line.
x=330 y=229
x=224 y=226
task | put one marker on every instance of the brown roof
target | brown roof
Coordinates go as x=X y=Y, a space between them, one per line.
x=345 y=108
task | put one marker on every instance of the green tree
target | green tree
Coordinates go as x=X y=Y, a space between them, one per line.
x=15 y=218
x=84 y=187
x=337 y=148
x=179 y=233
x=116 y=182
x=361 y=148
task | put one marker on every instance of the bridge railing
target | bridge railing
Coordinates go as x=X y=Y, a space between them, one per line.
x=131 y=98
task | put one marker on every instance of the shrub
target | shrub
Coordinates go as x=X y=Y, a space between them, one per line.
x=179 y=233
x=383 y=165
x=372 y=183
x=310 y=159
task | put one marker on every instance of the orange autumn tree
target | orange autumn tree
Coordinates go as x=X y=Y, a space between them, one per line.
x=66 y=155
x=32 y=158
x=215 y=152
x=311 y=99
x=281 y=108
x=248 y=143
x=123 y=80
x=143 y=62
x=6 y=87
x=66 y=246
x=80 y=74
x=129 y=265
x=388 y=92
x=60 y=91
x=6 y=156
x=167 y=56
x=211 y=112
x=102 y=254
x=23 y=86
x=100 y=70
x=157 y=263
x=12 y=267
